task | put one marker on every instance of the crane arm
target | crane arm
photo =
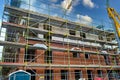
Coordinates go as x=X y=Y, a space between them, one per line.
x=116 y=19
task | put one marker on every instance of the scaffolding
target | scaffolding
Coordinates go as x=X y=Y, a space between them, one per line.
x=55 y=48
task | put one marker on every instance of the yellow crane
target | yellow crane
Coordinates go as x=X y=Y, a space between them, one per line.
x=115 y=17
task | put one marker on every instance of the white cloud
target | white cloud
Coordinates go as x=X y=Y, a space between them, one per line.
x=42 y=8
x=88 y=3
x=55 y=15
x=76 y=2
x=85 y=19
x=69 y=4
x=32 y=2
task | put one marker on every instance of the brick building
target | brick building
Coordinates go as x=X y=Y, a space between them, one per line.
x=52 y=48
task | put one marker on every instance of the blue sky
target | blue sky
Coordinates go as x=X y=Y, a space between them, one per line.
x=90 y=12
x=1 y=8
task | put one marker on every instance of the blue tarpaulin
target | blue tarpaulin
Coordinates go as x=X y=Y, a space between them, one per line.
x=20 y=75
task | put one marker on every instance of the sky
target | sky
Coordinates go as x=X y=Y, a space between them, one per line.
x=90 y=12
x=1 y=9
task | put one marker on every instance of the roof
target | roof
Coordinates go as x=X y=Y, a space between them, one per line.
x=19 y=71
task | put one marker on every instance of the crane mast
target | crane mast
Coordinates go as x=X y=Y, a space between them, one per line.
x=114 y=16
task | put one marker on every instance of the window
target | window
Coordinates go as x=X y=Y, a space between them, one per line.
x=29 y=54
x=76 y=55
x=47 y=27
x=48 y=74
x=48 y=57
x=64 y=75
x=87 y=56
x=99 y=73
x=83 y=35
x=33 y=74
x=106 y=59
x=47 y=37
x=12 y=35
x=100 y=37
x=13 y=19
x=110 y=74
x=116 y=74
x=23 y=22
x=78 y=74
x=108 y=39
x=90 y=76
x=72 y=32
x=115 y=60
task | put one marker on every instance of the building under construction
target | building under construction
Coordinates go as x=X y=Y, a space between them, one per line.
x=53 y=48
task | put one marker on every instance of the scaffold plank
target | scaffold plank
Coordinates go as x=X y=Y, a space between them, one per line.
x=55 y=65
x=19 y=45
x=54 y=34
x=23 y=11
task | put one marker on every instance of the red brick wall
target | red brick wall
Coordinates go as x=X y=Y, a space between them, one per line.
x=62 y=58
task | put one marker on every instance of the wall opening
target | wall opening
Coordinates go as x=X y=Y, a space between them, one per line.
x=64 y=75
x=82 y=34
x=47 y=27
x=107 y=61
x=110 y=75
x=47 y=37
x=48 y=57
x=48 y=74
x=100 y=37
x=90 y=76
x=87 y=56
x=76 y=55
x=100 y=74
x=29 y=55
x=72 y=32
x=78 y=74
x=33 y=74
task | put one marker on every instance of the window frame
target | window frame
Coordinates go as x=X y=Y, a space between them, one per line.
x=72 y=32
